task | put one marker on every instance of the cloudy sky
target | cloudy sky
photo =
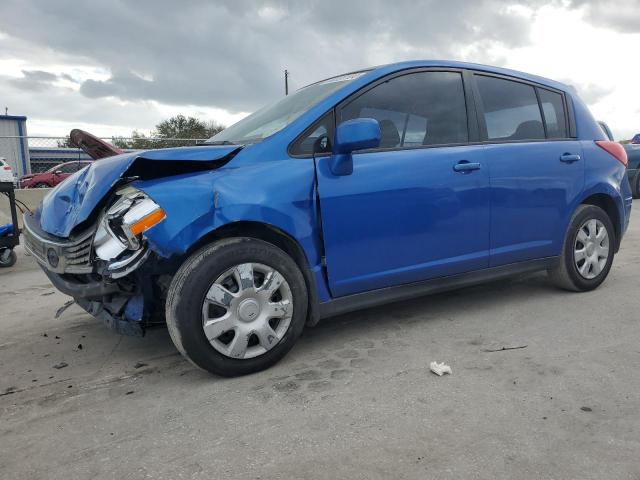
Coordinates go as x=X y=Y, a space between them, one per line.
x=111 y=66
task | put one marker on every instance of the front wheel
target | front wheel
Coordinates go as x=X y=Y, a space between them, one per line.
x=588 y=249
x=236 y=306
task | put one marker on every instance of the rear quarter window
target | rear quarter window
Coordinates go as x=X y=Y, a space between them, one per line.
x=554 y=113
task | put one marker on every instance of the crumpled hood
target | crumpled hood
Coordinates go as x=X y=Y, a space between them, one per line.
x=73 y=200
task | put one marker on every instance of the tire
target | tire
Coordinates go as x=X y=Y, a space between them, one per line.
x=566 y=274
x=187 y=305
x=7 y=259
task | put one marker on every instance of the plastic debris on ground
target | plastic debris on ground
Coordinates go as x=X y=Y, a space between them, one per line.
x=440 y=368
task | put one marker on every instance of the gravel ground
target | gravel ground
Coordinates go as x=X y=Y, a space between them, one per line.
x=354 y=399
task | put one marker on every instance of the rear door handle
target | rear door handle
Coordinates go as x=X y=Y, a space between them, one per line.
x=569 y=157
x=465 y=167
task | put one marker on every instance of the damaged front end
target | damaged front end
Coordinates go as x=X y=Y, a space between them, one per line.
x=89 y=235
x=118 y=246
x=109 y=269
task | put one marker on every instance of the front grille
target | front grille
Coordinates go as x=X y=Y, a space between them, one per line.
x=60 y=256
x=78 y=254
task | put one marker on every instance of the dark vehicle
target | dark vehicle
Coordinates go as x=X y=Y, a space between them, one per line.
x=358 y=190
x=633 y=160
x=53 y=176
x=633 y=167
x=636 y=139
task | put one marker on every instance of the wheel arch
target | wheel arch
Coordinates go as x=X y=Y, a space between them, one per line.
x=276 y=237
x=608 y=204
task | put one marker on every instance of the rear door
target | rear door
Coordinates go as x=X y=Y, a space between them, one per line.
x=536 y=168
x=418 y=206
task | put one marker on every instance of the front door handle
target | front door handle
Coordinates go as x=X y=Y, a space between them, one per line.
x=465 y=166
x=569 y=157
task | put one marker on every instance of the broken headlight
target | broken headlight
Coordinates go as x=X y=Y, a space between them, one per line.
x=121 y=227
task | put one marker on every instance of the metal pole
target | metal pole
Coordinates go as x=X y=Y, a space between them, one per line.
x=286 y=82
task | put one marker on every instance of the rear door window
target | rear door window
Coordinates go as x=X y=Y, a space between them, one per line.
x=554 y=114
x=417 y=109
x=511 y=110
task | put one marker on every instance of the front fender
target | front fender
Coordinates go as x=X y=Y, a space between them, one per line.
x=188 y=203
x=279 y=193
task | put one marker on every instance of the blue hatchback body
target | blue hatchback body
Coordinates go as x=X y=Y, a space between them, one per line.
x=369 y=225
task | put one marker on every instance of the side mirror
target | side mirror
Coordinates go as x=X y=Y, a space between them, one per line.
x=352 y=135
x=58 y=172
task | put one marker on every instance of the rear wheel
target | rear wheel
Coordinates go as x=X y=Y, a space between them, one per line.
x=236 y=306
x=588 y=251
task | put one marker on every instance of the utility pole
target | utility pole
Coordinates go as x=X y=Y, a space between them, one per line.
x=286 y=82
x=6 y=110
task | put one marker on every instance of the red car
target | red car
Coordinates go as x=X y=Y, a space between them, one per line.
x=53 y=176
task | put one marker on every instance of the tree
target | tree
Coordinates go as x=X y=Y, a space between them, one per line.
x=166 y=132
x=186 y=127
x=191 y=129
x=137 y=141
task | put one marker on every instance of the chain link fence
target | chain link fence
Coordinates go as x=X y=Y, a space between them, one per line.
x=33 y=155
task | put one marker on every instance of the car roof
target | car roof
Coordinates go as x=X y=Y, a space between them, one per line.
x=381 y=70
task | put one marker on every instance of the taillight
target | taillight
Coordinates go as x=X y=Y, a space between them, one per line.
x=7 y=167
x=614 y=149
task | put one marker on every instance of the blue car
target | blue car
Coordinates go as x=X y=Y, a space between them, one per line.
x=358 y=190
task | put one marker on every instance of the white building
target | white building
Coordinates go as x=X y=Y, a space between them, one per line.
x=13 y=143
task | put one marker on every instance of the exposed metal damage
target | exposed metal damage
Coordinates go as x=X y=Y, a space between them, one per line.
x=98 y=251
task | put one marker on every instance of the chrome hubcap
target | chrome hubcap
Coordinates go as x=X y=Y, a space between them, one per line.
x=247 y=310
x=591 y=249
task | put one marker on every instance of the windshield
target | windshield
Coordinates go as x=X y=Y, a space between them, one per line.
x=272 y=119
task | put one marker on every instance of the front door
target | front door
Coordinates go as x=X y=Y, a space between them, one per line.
x=418 y=206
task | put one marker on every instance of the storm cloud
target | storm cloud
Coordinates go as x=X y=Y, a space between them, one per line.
x=231 y=55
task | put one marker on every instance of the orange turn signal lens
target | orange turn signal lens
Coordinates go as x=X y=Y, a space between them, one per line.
x=147 y=222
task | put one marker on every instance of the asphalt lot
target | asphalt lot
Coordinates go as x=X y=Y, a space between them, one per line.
x=354 y=399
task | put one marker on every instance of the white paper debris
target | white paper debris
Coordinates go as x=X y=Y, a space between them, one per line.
x=440 y=368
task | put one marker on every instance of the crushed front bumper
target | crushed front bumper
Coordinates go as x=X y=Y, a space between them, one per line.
x=68 y=263
x=58 y=255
